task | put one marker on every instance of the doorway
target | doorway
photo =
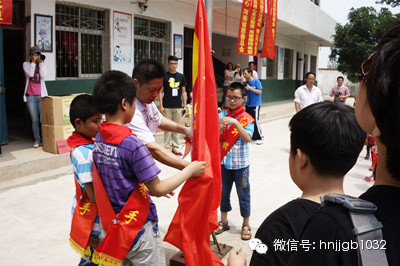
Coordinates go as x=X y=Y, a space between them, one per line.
x=14 y=80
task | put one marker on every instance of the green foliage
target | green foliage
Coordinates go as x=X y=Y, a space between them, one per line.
x=393 y=3
x=356 y=40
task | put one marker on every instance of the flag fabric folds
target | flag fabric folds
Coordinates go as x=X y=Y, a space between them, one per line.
x=196 y=217
x=268 y=49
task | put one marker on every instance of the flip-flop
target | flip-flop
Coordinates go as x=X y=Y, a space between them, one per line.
x=221 y=228
x=246 y=233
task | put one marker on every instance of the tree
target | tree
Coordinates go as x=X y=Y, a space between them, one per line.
x=393 y=3
x=355 y=41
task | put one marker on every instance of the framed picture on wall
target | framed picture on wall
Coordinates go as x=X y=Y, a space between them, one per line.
x=44 y=33
x=178 y=45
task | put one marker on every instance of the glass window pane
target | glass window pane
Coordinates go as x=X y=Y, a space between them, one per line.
x=67 y=54
x=91 y=54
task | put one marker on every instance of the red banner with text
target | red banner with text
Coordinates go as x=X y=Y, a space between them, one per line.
x=251 y=22
x=6 y=12
x=268 y=49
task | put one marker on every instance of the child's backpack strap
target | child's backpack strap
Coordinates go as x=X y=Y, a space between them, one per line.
x=367 y=229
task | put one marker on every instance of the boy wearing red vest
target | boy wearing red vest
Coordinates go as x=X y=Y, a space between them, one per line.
x=127 y=176
x=85 y=228
x=236 y=129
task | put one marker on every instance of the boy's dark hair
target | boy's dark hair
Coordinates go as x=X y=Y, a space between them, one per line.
x=340 y=77
x=330 y=136
x=237 y=86
x=83 y=107
x=309 y=73
x=248 y=71
x=172 y=58
x=383 y=94
x=147 y=70
x=111 y=88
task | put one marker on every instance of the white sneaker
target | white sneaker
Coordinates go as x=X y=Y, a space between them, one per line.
x=259 y=142
x=36 y=144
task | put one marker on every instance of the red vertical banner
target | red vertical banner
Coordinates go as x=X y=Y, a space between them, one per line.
x=268 y=49
x=251 y=22
x=6 y=12
x=196 y=217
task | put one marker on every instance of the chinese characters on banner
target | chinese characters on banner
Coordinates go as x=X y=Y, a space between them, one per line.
x=6 y=11
x=122 y=38
x=251 y=22
x=268 y=49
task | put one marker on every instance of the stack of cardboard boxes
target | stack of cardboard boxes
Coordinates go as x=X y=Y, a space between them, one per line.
x=56 y=125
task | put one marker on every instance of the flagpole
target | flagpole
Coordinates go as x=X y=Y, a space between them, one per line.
x=209 y=9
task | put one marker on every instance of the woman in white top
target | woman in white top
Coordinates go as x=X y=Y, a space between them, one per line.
x=35 y=88
x=237 y=74
x=228 y=79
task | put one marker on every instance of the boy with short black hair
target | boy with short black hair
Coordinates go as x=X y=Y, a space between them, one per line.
x=236 y=129
x=317 y=167
x=85 y=117
x=125 y=169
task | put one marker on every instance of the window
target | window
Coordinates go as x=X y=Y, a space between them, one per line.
x=152 y=39
x=81 y=41
x=313 y=64
x=272 y=66
x=288 y=64
x=305 y=69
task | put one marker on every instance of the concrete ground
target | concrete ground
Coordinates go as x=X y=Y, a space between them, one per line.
x=36 y=210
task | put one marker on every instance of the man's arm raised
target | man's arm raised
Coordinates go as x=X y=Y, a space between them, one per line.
x=171 y=126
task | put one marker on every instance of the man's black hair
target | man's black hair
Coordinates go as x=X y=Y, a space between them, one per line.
x=172 y=58
x=147 y=70
x=309 y=73
x=111 y=88
x=330 y=136
x=340 y=77
x=83 y=107
x=383 y=94
x=251 y=62
x=237 y=86
x=248 y=71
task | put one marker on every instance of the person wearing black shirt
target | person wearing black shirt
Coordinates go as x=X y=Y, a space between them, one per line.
x=172 y=96
x=378 y=113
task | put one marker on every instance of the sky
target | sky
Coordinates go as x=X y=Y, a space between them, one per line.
x=338 y=10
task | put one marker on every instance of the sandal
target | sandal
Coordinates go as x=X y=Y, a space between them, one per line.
x=246 y=233
x=221 y=228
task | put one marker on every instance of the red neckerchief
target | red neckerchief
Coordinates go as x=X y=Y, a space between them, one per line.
x=77 y=139
x=235 y=113
x=114 y=133
x=231 y=134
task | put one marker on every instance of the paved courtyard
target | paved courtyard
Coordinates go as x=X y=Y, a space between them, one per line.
x=36 y=218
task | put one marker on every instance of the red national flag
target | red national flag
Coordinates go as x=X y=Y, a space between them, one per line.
x=268 y=49
x=196 y=217
x=6 y=12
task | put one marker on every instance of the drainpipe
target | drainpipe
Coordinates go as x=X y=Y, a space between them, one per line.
x=209 y=7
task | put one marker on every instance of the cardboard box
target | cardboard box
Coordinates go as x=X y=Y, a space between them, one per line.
x=55 y=109
x=51 y=134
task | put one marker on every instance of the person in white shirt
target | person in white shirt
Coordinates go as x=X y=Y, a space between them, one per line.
x=149 y=75
x=308 y=93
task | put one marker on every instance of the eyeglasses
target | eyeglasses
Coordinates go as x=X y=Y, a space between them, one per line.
x=363 y=71
x=234 y=98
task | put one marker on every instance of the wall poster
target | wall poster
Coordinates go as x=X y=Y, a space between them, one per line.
x=122 y=37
